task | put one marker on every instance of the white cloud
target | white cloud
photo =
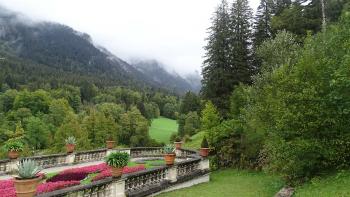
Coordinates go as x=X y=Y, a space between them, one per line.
x=172 y=31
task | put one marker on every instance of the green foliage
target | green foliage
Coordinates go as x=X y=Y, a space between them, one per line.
x=117 y=160
x=13 y=145
x=169 y=149
x=70 y=140
x=204 y=143
x=37 y=133
x=28 y=169
x=169 y=110
x=190 y=102
x=210 y=117
x=192 y=123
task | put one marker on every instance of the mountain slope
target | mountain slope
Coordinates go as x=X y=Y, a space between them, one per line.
x=156 y=72
x=36 y=52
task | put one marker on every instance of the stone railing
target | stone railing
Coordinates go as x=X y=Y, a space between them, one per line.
x=184 y=173
x=88 y=156
x=4 y=166
x=146 y=152
x=145 y=182
x=48 y=161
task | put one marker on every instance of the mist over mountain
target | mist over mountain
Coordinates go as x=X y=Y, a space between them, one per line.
x=157 y=72
x=57 y=52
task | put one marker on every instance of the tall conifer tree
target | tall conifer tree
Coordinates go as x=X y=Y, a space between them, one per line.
x=217 y=75
x=240 y=42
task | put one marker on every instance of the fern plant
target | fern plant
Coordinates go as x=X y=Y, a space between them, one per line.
x=71 y=140
x=204 y=143
x=169 y=149
x=117 y=160
x=28 y=169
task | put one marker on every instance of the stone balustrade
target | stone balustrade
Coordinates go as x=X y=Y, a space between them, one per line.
x=189 y=169
x=88 y=156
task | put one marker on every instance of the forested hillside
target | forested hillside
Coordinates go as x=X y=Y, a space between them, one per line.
x=44 y=54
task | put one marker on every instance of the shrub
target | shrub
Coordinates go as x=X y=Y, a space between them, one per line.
x=204 y=143
x=118 y=160
x=14 y=145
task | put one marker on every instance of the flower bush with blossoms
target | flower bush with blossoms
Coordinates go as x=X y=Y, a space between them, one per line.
x=107 y=173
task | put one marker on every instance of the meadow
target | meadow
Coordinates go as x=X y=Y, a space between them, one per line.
x=162 y=128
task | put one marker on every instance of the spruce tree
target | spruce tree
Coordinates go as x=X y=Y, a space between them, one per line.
x=262 y=22
x=240 y=41
x=217 y=76
x=262 y=27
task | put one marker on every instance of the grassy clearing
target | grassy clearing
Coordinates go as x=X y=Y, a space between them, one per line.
x=330 y=186
x=232 y=182
x=162 y=128
x=196 y=141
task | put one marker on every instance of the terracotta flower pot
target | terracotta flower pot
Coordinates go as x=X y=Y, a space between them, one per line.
x=70 y=148
x=116 y=172
x=204 y=152
x=110 y=144
x=13 y=154
x=169 y=158
x=26 y=187
x=178 y=145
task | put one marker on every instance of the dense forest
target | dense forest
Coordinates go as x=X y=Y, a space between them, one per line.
x=277 y=87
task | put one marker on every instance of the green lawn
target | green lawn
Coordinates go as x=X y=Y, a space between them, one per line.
x=337 y=185
x=233 y=183
x=196 y=141
x=162 y=128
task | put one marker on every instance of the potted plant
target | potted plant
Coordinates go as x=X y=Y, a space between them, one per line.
x=178 y=143
x=70 y=144
x=13 y=148
x=117 y=161
x=204 y=150
x=169 y=155
x=110 y=142
x=27 y=179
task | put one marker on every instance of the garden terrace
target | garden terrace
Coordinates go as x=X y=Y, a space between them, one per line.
x=145 y=174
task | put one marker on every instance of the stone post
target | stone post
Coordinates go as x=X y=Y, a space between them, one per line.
x=171 y=174
x=70 y=158
x=13 y=166
x=204 y=164
x=118 y=188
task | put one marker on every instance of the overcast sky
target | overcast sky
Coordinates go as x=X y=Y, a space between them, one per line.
x=171 y=31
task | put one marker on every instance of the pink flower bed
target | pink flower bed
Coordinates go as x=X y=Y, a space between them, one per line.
x=137 y=168
x=107 y=173
x=52 y=186
x=77 y=174
x=67 y=178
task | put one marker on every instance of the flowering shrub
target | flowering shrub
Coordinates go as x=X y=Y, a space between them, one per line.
x=52 y=186
x=77 y=174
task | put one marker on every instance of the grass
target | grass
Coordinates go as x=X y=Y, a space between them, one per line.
x=232 y=182
x=336 y=185
x=196 y=141
x=162 y=128
x=148 y=164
